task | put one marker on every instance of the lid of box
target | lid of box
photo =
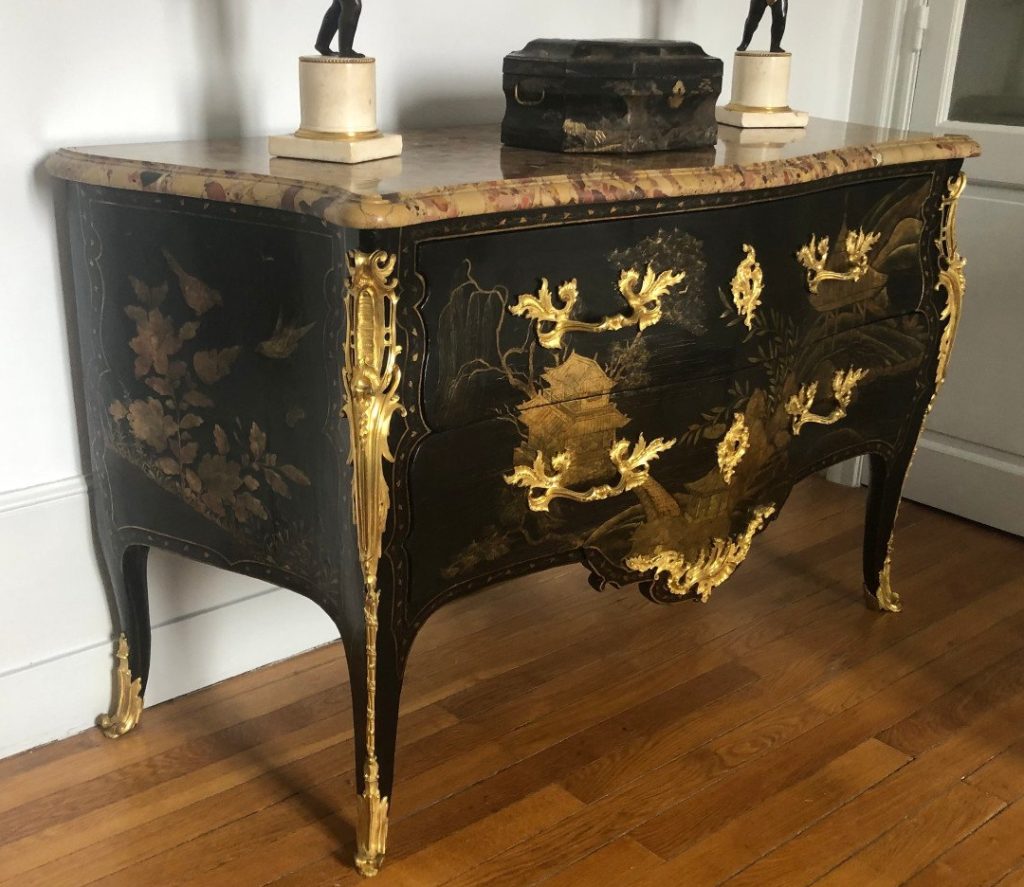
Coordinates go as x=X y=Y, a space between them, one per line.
x=613 y=59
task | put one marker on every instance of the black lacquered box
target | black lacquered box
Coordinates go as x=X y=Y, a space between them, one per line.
x=611 y=96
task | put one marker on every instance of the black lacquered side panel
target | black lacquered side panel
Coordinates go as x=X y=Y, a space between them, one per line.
x=211 y=339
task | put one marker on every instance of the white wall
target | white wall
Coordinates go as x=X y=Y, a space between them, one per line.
x=77 y=72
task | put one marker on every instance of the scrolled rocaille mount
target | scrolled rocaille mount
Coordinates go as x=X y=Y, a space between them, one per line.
x=747 y=286
x=643 y=294
x=702 y=574
x=801 y=405
x=128 y=711
x=815 y=256
x=733 y=447
x=544 y=484
x=952 y=277
x=371 y=378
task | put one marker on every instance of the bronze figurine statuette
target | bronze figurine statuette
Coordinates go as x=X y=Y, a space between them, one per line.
x=341 y=19
x=780 y=10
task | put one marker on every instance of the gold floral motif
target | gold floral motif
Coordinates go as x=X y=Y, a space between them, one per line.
x=801 y=405
x=747 y=286
x=713 y=566
x=733 y=447
x=128 y=711
x=371 y=377
x=951 y=274
x=169 y=432
x=544 y=486
x=814 y=257
x=554 y=321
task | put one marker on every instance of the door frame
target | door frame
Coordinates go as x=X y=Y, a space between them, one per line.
x=888 y=56
x=999 y=164
x=885 y=72
x=895 y=88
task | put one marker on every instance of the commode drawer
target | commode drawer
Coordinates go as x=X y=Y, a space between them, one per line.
x=663 y=299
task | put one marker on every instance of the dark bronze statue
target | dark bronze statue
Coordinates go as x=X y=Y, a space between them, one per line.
x=780 y=9
x=341 y=19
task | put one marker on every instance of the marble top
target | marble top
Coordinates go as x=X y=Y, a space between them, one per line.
x=466 y=171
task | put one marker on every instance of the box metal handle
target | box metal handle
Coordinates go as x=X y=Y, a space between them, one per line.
x=526 y=103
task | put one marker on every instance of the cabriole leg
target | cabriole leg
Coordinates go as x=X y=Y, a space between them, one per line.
x=127 y=569
x=884 y=496
x=888 y=476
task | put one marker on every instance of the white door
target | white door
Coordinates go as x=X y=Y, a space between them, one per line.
x=970 y=79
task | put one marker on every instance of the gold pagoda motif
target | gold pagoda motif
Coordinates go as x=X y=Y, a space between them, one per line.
x=574 y=411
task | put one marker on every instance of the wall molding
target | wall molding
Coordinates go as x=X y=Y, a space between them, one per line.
x=15 y=500
x=976 y=482
x=986 y=457
x=208 y=624
x=62 y=696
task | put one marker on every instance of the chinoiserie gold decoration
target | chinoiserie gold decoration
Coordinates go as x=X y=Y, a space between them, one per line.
x=951 y=274
x=801 y=404
x=230 y=474
x=733 y=447
x=677 y=96
x=554 y=321
x=128 y=711
x=371 y=378
x=713 y=566
x=583 y=135
x=544 y=485
x=747 y=286
x=814 y=257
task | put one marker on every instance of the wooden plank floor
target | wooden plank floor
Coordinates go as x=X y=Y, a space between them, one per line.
x=781 y=735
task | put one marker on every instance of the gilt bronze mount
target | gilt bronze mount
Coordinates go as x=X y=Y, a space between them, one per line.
x=643 y=295
x=128 y=708
x=372 y=380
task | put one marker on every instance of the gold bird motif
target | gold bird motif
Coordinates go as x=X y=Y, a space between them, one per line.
x=284 y=341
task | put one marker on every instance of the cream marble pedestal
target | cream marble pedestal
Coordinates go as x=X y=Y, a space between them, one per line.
x=760 y=93
x=339 y=114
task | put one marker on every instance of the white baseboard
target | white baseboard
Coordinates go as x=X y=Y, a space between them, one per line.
x=56 y=627
x=978 y=483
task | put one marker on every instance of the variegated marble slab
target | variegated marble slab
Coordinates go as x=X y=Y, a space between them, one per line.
x=464 y=172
